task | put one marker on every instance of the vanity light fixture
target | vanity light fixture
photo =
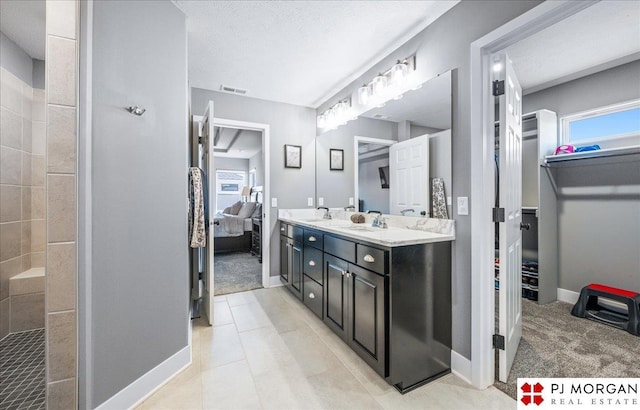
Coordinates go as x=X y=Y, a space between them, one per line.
x=389 y=84
x=338 y=114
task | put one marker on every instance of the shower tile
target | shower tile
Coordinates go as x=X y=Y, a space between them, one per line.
x=27 y=137
x=39 y=106
x=10 y=240
x=10 y=166
x=26 y=203
x=38 y=203
x=61 y=141
x=8 y=269
x=61 y=19
x=38 y=235
x=37 y=260
x=26 y=169
x=27 y=312
x=61 y=343
x=27 y=102
x=28 y=283
x=26 y=237
x=61 y=274
x=38 y=137
x=5 y=314
x=11 y=91
x=10 y=203
x=10 y=129
x=38 y=169
x=61 y=59
x=26 y=262
x=61 y=395
x=61 y=208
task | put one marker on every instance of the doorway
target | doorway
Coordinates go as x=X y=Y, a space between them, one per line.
x=371 y=173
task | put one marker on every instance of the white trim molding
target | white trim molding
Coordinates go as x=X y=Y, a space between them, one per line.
x=461 y=366
x=567 y=296
x=274 y=281
x=356 y=158
x=138 y=391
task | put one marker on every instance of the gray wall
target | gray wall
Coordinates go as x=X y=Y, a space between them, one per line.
x=369 y=188
x=337 y=186
x=16 y=60
x=442 y=46
x=440 y=160
x=257 y=162
x=289 y=124
x=598 y=225
x=139 y=295
x=235 y=164
x=38 y=73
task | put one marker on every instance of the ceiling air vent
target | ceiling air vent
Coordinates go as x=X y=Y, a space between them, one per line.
x=233 y=90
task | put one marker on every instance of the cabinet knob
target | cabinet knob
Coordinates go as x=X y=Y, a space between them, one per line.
x=282 y=229
x=312 y=238
x=343 y=272
x=369 y=258
x=312 y=295
x=348 y=274
x=312 y=263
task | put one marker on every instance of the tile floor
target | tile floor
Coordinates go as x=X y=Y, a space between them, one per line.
x=22 y=370
x=266 y=350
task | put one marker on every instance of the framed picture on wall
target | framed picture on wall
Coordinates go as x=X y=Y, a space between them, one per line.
x=336 y=159
x=384 y=177
x=293 y=156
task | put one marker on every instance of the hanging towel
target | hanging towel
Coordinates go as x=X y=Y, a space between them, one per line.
x=438 y=199
x=197 y=236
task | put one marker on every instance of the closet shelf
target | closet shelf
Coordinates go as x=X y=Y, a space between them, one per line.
x=604 y=156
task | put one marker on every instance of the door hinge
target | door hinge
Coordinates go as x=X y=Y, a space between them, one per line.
x=498 y=342
x=498 y=87
x=498 y=215
x=200 y=140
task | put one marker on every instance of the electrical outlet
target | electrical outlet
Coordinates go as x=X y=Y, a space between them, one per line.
x=274 y=202
x=309 y=201
x=350 y=201
x=321 y=201
x=463 y=205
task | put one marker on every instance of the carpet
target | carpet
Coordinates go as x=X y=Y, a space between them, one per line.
x=556 y=344
x=236 y=272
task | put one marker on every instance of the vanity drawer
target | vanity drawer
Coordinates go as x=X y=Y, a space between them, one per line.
x=291 y=231
x=344 y=250
x=313 y=238
x=372 y=258
x=312 y=296
x=313 y=263
x=284 y=229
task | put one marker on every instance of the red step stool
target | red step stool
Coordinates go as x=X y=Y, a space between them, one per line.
x=588 y=307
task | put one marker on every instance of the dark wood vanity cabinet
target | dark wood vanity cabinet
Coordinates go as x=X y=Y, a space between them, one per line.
x=391 y=305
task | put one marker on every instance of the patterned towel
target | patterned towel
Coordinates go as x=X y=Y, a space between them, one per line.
x=438 y=199
x=197 y=230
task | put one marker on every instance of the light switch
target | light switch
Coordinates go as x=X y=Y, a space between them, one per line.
x=463 y=205
x=274 y=202
x=321 y=201
x=449 y=201
x=350 y=201
x=310 y=201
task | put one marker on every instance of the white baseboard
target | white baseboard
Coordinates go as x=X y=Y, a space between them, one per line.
x=568 y=296
x=461 y=366
x=274 y=281
x=135 y=393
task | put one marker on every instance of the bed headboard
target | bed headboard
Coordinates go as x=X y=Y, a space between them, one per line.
x=256 y=194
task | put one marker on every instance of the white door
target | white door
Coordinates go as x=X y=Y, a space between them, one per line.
x=409 y=176
x=206 y=163
x=510 y=300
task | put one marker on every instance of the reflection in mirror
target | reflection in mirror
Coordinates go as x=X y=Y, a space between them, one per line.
x=415 y=133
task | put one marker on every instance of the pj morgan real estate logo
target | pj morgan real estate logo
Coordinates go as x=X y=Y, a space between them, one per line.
x=579 y=393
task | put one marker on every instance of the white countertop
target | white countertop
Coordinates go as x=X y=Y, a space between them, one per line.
x=390 y=237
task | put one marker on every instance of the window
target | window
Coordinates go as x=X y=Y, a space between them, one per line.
x=252 y=177
x=613 y=126
x=229 y=186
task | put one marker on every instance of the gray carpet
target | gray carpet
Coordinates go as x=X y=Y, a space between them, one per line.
x=236 y=272
x=556 y=344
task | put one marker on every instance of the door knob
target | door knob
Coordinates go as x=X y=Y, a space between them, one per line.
x=525 y=226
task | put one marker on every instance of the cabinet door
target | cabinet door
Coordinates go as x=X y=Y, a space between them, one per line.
x=335 y=294
x=296 y=269
x=366 y=318
x=284 y=259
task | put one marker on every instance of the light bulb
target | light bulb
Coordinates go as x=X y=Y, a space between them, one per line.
x=322 y=121
x=364 y=94
x=379 y=86
x=398 y=74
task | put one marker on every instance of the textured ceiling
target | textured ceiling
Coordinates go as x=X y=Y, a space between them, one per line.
x=23 y=22
x=237 y=143
x=298 y=52
x=601 y=36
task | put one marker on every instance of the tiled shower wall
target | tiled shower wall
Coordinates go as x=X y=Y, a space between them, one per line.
x=61 y=295
x=22 y=179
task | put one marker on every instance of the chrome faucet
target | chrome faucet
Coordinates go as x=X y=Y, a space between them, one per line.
x=404 y=211
x=346 y=208
x=326 y=215
x=378 y=221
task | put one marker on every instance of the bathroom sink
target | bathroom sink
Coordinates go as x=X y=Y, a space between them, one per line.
x=363 y=228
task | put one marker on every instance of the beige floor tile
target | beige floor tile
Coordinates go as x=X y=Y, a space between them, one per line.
x=265 y=351
x=285 y=389
x=338 y=389
x=229 y=387
x=241 y=298
x=183 y=392
x=310 y=355
x=221 y=313
x=283 y=316
x=219 y=346
x=249 y=316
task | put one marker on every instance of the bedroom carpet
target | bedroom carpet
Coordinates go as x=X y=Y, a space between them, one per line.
x=236 y=272
x=556 y=344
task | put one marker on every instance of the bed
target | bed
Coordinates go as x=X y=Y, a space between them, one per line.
x=232 y=227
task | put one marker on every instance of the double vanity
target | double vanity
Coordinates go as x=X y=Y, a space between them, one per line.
x=385 y=291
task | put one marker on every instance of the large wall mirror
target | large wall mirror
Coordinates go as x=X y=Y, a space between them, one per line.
x=391 y=156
